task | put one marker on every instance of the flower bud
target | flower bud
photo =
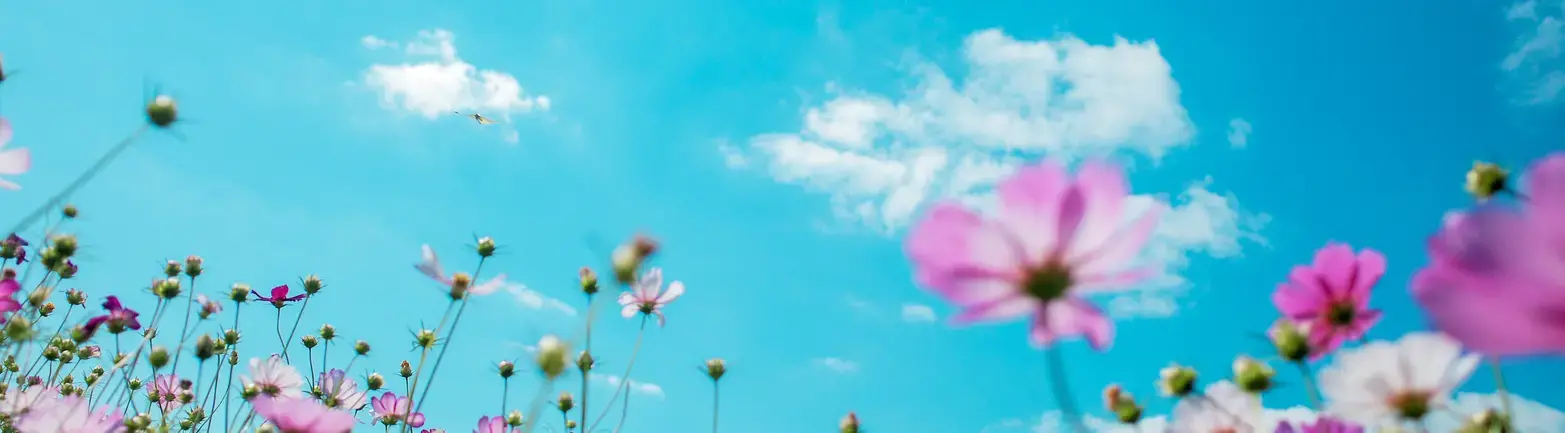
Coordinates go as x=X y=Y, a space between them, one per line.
x=589 y=281
x=69 y=211
x=89 y=352
x=570 y=424
x=162 y=111
x=424 y=338
x=309 y=341
x=46 y=309
x=39 y=296
x=627 y=259
x=1176 y=381
x=406 y=371
x=239 y=293
x=585 y=362
x=313 y=284
x=1487 y=421
x=361 y=347
x=1251 y=375
x=65 y=245
x=158 y=358
x=249 y=391
x=507 y=369
x=172 y=269
x=51 y=353
x=1485 y=180
x=168 y=289
x=266 y=428
x=715 y=368
x=193 y=266
x=460 y=282
x=565 y=402
x=134 y=384
x=206 y=347
x=1291 y=340
x=849 y=424
x=514 y=419
x=486 y=246
x=552 y=356
x=67 y=270
x=374 y=381
x=18 y=328
x=1122 y=404
x=50 y=258
x=328 y=332
x=75 y=297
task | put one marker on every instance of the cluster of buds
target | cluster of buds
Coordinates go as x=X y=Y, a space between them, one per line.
x=715 y=368
x=1122 y=404
x=1176 y=381
x=553 y=356
x=56 y=257
x=1251 y=375
x=1291 y=340
x=1485 y=180
x=628 y=258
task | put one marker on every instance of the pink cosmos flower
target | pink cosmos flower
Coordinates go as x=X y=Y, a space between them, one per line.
x=493 y=424
x=279 y=296
x=1053 y=239
x=1321 y=425
x=299 y=415
x=168 y=389
x=8 y=289
x=389 y=410
x=430 y=267
x=56 y=414
x=12 y=162
x=644 y=296
x=208 y=306
x=1496 y=277
x=1331 y=296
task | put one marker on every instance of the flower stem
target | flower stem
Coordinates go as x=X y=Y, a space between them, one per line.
x=624 y=379
x=1499 y=386
x=447 y=344
x=714 y=406
x=296 y=320
x=586 y=373
x=1309 y=384
x=82 y=179
x=1062 y=392
x=184 y=328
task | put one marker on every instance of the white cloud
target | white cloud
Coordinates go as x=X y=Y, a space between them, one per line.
x=883 y=158
x=1239 y=132
x=918 y=313
x=837 y=364
x=1536 y=59
x=531 y=299
x=432 y=80
x=1532 y=417
x=636 y=386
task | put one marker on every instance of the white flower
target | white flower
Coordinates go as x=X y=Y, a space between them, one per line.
x=347 y=394
x=275 y=378
x=17 y=401
x=1383 y=381
x=1223 y=408
x=69 y=414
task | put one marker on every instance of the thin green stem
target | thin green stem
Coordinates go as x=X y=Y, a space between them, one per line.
x=1499 y=386
x=714 y=405
x=624 y=385
x=296 y=320
x=1062 y=392
x=184 y=328
x=1309 y=385
x=81 y=180
x=446 y=345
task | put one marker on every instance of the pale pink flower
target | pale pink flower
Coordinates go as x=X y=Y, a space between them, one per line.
x=647 y=296
x=343 y=389
x=429 y=265
x=298 y=415
x=1331 y=296
x=275 y=377
x=391 y=409
x=168 y=389
x=12 y=162
x=56 y=414
x=493 y=424
x=1053 y=239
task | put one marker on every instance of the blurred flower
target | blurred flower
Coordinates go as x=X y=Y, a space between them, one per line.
x=1405 y=380
x=552 y=356
x=389 y=409
x=849 y=423
x=167 y=388
x=430 y=267
x=343 y=390
x=1055 y=238
x=1495 y=280
x=8 y=289
x=1176 y=380
x=1485 y=180
x=298 y=415
x=55 y=413
x=1223 y=408
x=14 y=247
x=275 y=378
x=118 y=317
x=1332 y=296
x=12 y=162
x=644 y=296
x=208 y=306
x=20 y=399
x=1321 y=425
x=493 y=424
x=279 y=296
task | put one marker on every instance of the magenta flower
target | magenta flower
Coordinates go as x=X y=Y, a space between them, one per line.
x=493 y=424
x=117 y=316
x=1494 y=281
x=1321 y=425
x=279 y=296
x=8 y=289
x=644 y=296
x=168 y=388
x=298 y=415
x=390 y=409
x=12 y=162
x=430 y=267
x=1053 y=239
x=1330 y=297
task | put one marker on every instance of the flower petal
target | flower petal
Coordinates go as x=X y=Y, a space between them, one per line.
x=5 y=131
x=488 y=287
x=629 y=311
x=1072 y=317
x=1302 y=297
x=16 y=161
x=1103 y=188
x=675 y=289
x=999 y=309
x=1369 y=266
x=1030 y=205
x=1121 y=248
x=1334 y=265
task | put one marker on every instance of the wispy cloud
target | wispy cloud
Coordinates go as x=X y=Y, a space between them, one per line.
x=431 y=80
x=636 y=386
x=532 y=299
x=838 y=365
x=918 y=313
x=1535 y=62
x=1239 y=132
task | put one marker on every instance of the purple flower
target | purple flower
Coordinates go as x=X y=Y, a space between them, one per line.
x=118 y=317
x=297 y=415
x=1322 y=425
x=168 y=389
x=493 y=424
x=14 y=247
x=389 y=410
x=645 y=297
x=279 y=296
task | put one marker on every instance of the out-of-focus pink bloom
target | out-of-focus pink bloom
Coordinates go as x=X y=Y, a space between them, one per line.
x=1054 y=238
x=391 y=409
x=275 y=377
x=1496 y=276
x=648 y=297
x=299 y=415
x=344 y=390
x=208 y=306
x=168 y=389
x=1321 y=425
x=279 y=296
x=117 y=316
x=54 y=414
x=12 y=162
x=1331 y=296
x=493 y=424
x=8 y=288
x=430 y=267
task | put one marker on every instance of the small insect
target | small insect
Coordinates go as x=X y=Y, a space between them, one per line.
x=478 y=117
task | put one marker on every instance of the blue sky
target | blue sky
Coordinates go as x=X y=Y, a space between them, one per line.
x=778 y=150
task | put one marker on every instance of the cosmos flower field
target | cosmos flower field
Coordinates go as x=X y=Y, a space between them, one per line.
x=85 y=361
